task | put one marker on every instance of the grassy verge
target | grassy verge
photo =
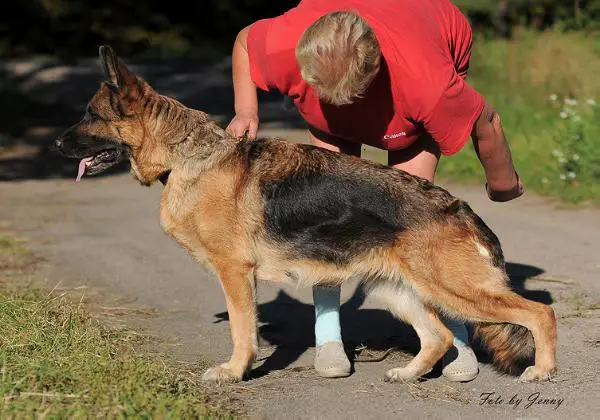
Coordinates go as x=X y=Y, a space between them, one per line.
x=57 y=360
x=545 y=87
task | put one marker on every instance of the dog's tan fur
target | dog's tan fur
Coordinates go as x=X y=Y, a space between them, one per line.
x=214 y=204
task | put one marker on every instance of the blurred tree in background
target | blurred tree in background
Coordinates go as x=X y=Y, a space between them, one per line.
x=498 y=17
x=70 y=28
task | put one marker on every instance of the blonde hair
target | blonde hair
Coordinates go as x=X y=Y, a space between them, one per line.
x=338 y=55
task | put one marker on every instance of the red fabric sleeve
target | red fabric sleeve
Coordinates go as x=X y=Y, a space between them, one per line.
x=256 y=44
x=452 y=119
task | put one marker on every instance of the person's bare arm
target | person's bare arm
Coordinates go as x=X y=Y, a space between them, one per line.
x=492 y=149
x=246 y=102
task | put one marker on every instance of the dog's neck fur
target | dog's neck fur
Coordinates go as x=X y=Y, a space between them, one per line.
x=195 y=143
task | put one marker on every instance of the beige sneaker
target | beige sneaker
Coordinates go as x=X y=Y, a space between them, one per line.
x=460 y=364
x=331 y=360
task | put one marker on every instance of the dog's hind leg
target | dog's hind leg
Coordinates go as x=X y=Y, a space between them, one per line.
x=435 y=338
x=237 y=280
x=539 y=319
x=479 y=293
x=510 y=343
x=457 y=267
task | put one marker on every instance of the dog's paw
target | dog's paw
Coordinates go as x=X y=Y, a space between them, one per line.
x=221 y=374
x=400 y=375
x=536 y=374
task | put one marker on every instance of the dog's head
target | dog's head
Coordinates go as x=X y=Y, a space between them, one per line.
x=117 y=125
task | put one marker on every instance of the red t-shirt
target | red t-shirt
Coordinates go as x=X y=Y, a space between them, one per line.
x=426 y=46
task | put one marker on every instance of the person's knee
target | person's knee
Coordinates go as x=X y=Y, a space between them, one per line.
x=420 y=159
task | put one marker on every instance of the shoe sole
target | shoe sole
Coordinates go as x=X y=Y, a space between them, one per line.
x=333 y=373
x=464 y=377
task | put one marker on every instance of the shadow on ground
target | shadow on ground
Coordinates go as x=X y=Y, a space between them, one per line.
x=288 y=324
x=40 y=99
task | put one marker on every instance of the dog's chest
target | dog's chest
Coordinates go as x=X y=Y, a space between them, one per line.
x=178 y=228
x=199 y=220
x=176 y=218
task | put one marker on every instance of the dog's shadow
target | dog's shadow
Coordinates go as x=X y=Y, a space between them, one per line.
x=288 y=324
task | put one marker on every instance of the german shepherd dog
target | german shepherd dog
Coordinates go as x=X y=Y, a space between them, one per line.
x=272 y=210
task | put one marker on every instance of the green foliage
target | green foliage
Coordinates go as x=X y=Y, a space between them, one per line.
x=538 y=14
x=577 y=161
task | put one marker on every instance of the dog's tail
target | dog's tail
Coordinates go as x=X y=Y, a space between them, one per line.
x=511 y=346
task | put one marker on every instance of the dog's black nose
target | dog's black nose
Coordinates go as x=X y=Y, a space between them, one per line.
x=58 y=143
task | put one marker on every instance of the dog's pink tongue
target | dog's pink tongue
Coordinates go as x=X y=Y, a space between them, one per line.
x=82 y=165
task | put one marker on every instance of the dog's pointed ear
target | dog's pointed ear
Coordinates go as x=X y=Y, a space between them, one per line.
x=115 y=71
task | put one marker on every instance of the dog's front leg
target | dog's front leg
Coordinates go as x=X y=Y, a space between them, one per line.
x=238 y=283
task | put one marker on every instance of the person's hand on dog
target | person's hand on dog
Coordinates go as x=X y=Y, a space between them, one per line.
x=506 y=190
x=244 y=122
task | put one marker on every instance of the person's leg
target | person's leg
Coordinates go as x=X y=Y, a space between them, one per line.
x=421 y=159
x=331 y=360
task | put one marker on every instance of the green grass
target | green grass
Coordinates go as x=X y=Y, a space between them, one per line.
x=555 y=156
x=56 y=360
x=14 y=255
